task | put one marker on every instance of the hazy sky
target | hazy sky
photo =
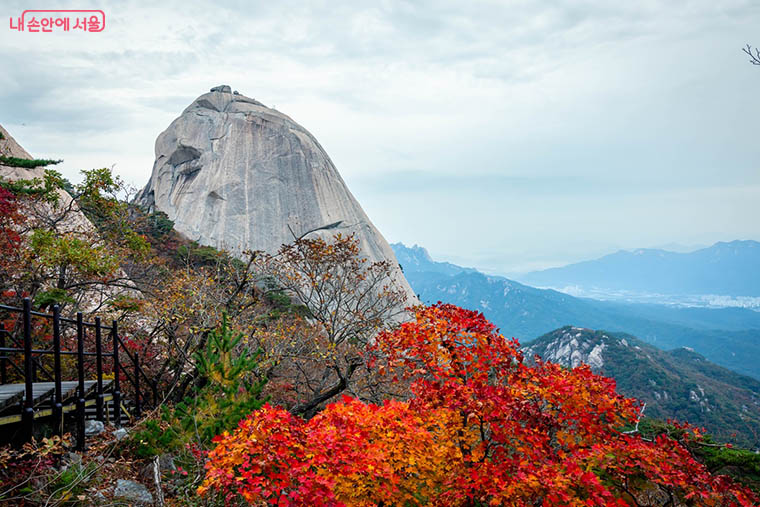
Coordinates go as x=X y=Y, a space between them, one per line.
x=504 y=135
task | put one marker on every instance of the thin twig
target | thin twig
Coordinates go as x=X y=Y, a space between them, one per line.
x=754 y=58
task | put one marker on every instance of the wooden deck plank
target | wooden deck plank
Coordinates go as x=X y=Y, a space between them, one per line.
x=47 y=412
x=11 y=394
x=41 y=391
x=14 y=394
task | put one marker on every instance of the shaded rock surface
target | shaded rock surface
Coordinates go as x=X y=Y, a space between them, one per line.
x=133 y=492
x=10 y=148
x=234 y=174
x=92 y=427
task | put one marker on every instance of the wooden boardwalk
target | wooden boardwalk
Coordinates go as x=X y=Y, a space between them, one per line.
x=101 y=398
x=12 y=396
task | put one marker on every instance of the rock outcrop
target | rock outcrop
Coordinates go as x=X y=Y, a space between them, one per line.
x=571 y=347
x=63 y=217
x=676 y=384
x=10 y=148
x=234 y=174
x=75 y=221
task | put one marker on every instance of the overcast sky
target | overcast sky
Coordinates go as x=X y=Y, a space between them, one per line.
x=508 y=135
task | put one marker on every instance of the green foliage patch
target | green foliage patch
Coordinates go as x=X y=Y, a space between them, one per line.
x=26 y=163
x=51 y=297
x=224 y=395
x=742 y=465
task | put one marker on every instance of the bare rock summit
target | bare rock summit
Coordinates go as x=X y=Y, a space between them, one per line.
x=234 y=174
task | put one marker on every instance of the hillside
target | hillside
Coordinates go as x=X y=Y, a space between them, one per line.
x=727 y=269
x=729 y=337
x=678 y=384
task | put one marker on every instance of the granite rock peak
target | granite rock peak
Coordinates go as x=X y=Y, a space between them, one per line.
x=235 y=174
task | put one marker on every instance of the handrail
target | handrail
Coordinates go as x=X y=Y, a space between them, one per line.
x=31 y=363
x=35 y=362
x=136 y=363
x=50 y=351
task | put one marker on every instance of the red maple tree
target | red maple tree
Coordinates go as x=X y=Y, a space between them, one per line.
x=481 y=428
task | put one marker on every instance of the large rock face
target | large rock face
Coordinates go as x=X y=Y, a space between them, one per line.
x=75 y=220
x=10 y=148
x=234 y=174
x=62 y=218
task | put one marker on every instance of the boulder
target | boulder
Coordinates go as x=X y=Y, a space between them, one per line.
x=92 y=427
x=133 y=492
x=237 y=175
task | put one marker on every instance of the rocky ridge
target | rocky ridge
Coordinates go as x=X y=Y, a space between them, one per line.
x=76 y=221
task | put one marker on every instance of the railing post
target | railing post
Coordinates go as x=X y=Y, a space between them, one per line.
x=116 y=392
x=138 y=404
x=58 y=402
x=28 y=413
x=80 y=371
x=3 y=370
x=99 y=370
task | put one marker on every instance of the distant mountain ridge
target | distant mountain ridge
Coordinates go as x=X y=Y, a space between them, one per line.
x=418 y=260
x=677 y=384
x=725 y=268
x=729 y=337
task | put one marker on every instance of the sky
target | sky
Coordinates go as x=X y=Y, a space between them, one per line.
x=504 y=135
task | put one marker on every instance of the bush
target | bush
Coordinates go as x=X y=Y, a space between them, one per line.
x=160 y=225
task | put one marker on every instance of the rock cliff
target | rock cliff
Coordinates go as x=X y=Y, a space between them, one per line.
x=75 y=221
x=63 y=218
x=234 y=174
x=10 y=148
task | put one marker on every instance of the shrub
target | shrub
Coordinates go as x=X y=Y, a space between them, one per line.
x=481 y=428
x=224 y=395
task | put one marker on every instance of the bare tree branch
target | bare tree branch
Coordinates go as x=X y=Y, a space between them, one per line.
x=754 y=58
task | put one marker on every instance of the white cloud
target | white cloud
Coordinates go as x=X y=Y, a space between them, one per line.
x=542 y=106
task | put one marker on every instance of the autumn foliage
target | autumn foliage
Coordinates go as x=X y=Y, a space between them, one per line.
x=480 y=428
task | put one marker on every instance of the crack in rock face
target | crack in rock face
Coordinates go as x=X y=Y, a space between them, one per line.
x=236 y=175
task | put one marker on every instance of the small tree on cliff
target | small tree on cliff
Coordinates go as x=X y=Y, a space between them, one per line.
x=70 y=248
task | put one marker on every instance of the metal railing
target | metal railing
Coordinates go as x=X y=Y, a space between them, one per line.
x=32 y=366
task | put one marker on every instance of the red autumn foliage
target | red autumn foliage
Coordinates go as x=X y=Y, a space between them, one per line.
x=481 y=428
x=10 y=239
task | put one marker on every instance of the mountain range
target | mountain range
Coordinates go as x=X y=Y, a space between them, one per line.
x=729 y=337
x=723 y=269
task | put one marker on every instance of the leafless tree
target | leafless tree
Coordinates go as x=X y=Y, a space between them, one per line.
x=347 y=300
